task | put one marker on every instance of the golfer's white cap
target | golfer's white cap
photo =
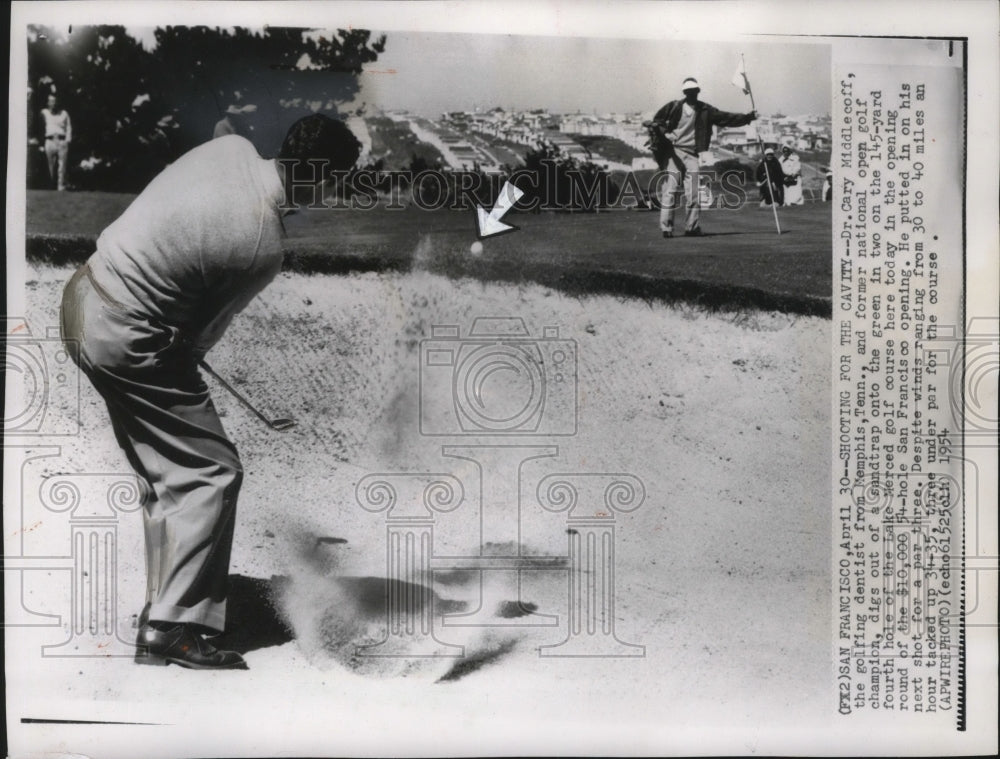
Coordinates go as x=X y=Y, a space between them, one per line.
x=690 y=84
x=769 y=151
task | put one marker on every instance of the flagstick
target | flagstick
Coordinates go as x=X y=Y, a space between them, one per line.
x=760 y=143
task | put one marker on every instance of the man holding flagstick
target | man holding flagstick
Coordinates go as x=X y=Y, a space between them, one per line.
x=679 y=131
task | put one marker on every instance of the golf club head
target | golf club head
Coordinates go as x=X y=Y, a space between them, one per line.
x=282 y=425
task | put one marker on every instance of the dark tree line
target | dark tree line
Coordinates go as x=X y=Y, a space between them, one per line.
x=561 y=182
x=133 y=111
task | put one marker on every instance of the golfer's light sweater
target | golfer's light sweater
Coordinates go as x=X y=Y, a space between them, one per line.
x=199 y=242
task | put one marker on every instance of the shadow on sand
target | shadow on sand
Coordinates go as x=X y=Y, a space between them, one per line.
x=254 y=620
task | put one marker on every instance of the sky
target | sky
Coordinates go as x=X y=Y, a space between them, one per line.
x=438 y=72
x=429 y=73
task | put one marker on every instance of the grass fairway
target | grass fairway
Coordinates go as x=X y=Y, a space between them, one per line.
x=741 y=262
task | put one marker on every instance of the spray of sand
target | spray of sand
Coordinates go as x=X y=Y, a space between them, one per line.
x=338 y=615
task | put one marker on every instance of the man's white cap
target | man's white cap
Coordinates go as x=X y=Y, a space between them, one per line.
x=769 y=151
x=690 y=84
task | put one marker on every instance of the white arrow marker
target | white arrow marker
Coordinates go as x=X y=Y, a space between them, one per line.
x=489 y=223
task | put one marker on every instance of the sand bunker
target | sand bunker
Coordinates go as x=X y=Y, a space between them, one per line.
x=722 y=418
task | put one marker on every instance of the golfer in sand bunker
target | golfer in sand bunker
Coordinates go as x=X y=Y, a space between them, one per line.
x=165 y=281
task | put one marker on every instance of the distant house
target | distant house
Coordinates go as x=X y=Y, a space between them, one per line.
x=583 y=124
x=737 y=139
x=568 y=146
x=537 y=118
x=522 y=136
x=467 y=139
x=813 y=141
x=634 y=135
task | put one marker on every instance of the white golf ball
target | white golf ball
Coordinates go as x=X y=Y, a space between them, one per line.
x=476 y=248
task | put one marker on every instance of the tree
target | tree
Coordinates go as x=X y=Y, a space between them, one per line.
x=101 y=76
x=285 y=72
x=134 y=111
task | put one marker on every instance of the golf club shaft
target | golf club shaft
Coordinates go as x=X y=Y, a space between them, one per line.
x=235 y=393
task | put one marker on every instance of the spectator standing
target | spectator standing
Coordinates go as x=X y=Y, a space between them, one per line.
x=792 y=168
x=58 y=135
x=770 y=180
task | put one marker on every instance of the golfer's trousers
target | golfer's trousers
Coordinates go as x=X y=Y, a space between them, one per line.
x=165 y=422
x=678 y=177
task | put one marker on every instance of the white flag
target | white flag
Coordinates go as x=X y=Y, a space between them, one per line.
x=740 y=78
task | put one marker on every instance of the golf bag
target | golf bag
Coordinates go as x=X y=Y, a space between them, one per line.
x=658 y=143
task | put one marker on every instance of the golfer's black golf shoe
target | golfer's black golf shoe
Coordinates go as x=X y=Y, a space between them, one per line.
x=162 y=643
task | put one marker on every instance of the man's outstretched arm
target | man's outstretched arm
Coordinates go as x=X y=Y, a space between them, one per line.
x=726 y=119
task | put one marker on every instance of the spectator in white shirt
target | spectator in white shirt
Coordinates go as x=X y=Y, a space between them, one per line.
x=792 y=167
